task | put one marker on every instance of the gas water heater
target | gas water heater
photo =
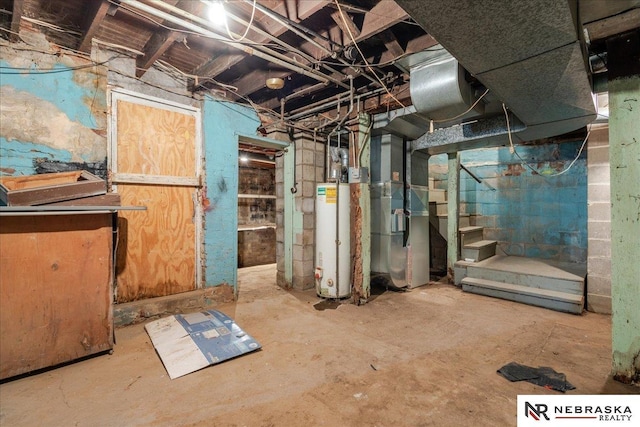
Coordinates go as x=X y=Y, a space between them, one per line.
x=333 y=244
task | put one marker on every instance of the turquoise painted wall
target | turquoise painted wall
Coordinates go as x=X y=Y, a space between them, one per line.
x=528 y=214
x=222 y=121
x=55 y=116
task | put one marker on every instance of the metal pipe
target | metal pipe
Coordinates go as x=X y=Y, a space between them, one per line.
x=337 y=239
x=302 y=69
x=349 y=111
x=330 y=104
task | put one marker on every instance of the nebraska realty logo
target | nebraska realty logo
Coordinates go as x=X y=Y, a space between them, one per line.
x=578 y=410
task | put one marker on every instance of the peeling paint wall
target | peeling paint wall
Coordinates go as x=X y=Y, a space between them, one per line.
x=52 y=109
x=222 y=122
x=530 y=214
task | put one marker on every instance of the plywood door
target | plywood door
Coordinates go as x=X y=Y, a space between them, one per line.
x=157 y=156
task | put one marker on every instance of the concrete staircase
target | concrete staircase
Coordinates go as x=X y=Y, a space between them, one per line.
x=558 y=286
x=473 y=247
x=531 y=281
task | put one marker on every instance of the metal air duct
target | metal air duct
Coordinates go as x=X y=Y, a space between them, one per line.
x=529 y=53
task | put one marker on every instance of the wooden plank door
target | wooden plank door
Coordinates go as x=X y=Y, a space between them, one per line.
x=155 y=163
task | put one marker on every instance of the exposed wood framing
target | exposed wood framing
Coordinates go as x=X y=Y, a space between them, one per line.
x=94 y=17
x=386 y=16
x=617 y=24
x=391 y=43
x=291 y=7
x=16 y=17
x=216 y=66
x=345 y=24
x=157 y=45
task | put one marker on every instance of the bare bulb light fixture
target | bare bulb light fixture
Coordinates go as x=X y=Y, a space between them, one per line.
x=216 y=13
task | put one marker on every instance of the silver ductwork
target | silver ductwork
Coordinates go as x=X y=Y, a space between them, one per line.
x=438 y=87
x=529 y=53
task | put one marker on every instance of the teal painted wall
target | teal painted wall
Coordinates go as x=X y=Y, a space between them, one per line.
x=58 y=115
x=528 y=214
x=222 y=121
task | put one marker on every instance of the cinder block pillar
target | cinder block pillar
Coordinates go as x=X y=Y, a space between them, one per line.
x=624 y=155
x=599 y=222
x=453 y=212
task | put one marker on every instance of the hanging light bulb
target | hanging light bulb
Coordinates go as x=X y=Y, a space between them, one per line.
x=217 y=14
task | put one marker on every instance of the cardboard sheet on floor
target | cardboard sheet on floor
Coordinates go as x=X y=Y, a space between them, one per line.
x=189 y=342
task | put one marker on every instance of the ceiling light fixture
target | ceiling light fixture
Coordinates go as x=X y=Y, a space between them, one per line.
x=275 y=83
x=244 y=159
x=217 y=14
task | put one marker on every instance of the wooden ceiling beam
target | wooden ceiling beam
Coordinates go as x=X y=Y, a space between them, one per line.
x=16 y=17
x=93 y=19
x=345 y=24
x=613 y=25
x=155 y=47
x=383 y=16
x=391 y=43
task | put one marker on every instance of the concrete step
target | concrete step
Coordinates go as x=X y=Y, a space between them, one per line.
x=478 y=251
x=528 y=272
x=555 y=300
x=441 y=208
x=470 y=234
x=437 y=195
x=442 y=221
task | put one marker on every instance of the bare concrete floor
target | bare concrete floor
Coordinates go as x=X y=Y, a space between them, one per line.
x=419 y=358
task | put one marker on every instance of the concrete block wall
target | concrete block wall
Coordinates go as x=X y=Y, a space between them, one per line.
x=309 y=171
x=599 y=223
x=310 y=160
x=528 y=214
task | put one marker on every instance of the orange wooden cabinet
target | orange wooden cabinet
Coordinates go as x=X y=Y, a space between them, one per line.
x=56 y=275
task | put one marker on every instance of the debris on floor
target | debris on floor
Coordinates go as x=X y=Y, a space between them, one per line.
x=543 y=376
x=189 y=342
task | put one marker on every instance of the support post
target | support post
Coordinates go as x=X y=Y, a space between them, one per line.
x=453 y=214
x=624 y=154
x=361 y=216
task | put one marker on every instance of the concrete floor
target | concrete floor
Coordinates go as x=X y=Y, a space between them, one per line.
x=424 y=357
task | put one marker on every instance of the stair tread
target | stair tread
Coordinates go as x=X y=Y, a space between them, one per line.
x=527 y=290
x=479 y=244
x=470 y=229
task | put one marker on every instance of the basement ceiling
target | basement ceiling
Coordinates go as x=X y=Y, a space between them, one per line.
x=319 y=48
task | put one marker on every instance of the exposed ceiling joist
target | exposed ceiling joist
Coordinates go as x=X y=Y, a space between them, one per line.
x=383 y=16
x=93 y=19
x=16 y=17
x=216 y=66
x=346 y=24
x=157 y=45
x=391 y=43
x=613 y=25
